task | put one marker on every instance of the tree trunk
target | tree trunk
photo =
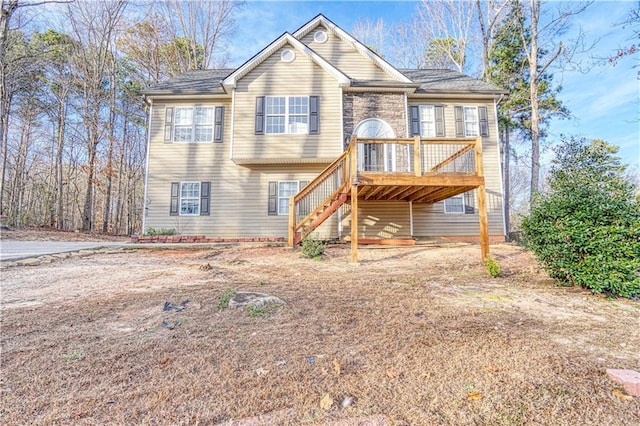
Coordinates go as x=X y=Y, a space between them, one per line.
x=533 y=93
x=5 y=16
x=506 y=181
x=59 y=168
x=109 y=167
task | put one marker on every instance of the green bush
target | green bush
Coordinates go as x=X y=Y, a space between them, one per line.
x=586 y=229
x=493 y=267
x=162 y=231
x=312 y=249
x=223 y=300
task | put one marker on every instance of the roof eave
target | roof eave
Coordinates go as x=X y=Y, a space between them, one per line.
x=495 y=94
x=231 y=81
x=347 y=38
x=157 y=95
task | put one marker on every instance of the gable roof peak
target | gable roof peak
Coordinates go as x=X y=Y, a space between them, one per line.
x=348 y=39
x=284 y=39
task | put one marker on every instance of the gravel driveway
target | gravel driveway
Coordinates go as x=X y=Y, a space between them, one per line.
x=14 y=250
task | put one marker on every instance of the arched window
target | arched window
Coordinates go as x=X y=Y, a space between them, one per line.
x=374 y=128
x=375 y=157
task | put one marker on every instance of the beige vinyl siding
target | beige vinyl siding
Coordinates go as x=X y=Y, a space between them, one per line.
x=239 y=195
x=345 y=58
x=383 y=219
x=430 y=220
x=273 y=77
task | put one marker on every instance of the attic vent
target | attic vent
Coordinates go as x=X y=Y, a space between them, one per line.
x=320 y=36
x=288 y=55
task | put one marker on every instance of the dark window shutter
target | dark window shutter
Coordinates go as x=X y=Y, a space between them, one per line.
x=483 y=121
x=304 y=209
x=205 y=198
x=314 y=115
x=415 y=120
x=260 y=115
x=273 y=199
x=219 y=120
x=469 y=203
x=168 y=124
x=459 y=122
x=439 y=113
x=174 y=206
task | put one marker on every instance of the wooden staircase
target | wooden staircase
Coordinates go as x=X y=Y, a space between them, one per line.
x=323 y=212
x=425 y=170
x=320 y=198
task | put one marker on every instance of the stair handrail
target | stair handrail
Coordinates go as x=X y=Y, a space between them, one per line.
x=328 y=172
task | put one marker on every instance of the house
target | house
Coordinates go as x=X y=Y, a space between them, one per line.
x=316 y=126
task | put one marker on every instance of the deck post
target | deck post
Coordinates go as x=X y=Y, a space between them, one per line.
x=417 y=159
x=354 y=222
x=292 y=222
x=482 y=201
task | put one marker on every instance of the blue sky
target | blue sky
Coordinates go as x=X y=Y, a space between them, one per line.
x=603 y=101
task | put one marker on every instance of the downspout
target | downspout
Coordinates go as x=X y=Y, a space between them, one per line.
x=502 y=177
x=408 y=135
x=233 y=121
x=342 y=149
x=146 y=170
x=411 y=218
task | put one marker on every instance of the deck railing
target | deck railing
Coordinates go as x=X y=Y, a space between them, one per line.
x=417 y=155
x=407 y=156
x=304 y=205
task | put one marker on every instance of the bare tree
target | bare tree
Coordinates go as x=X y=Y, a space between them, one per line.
x=205 y=24
x=542 y=28
x=7 y=11
x=448 y=20
x=372 y=34
x=407 y=44
x=490 y=14
x=94 y=26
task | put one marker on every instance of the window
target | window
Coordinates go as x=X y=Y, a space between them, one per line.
x=471 y=121
x=285 y=191
x=427 y=121
x=190 y=198
x=193 y=124
x=320 y=36
x=288 y=55
x=454 y=204
x=287 y=115
x=460 y=204
x=279 y=194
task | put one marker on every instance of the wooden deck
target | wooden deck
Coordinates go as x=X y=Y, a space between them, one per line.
x=417 y=170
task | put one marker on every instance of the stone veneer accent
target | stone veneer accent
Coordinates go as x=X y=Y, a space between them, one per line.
x=389 y=107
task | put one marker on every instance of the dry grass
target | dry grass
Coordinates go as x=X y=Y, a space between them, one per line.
x=418 y=334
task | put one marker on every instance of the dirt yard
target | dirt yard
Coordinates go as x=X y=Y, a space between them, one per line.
x=412 y=336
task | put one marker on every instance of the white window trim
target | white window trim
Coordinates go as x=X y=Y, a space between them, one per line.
x=461 y=197
x=465 y=122
x=422 y=120
x=181 y=198
x=286 y=115
x=193 y=123
x=279 y=197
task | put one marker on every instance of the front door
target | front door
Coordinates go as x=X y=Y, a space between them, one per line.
x=375 y=157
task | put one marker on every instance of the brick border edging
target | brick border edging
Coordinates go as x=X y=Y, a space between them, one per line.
x=202 y=239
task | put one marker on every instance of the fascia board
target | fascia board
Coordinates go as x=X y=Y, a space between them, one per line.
x=359 y=47
x=232 y=79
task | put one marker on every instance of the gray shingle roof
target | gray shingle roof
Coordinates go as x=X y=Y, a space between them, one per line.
x=448 y=81
x=429 y=80
x=191 y=82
